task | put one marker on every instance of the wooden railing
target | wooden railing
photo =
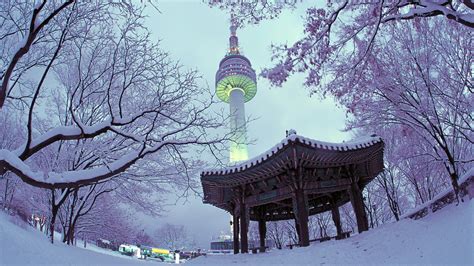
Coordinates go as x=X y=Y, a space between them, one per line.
x=466 y=188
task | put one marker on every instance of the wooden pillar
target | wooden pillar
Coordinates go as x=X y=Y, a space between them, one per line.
x=244 y=227
x=358 y=205
x=262 y=231
x=336 y=217
x=235 y=225
x=300 y=209
x=297 y=227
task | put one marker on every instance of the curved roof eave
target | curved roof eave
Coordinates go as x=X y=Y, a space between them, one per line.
x=351 y=145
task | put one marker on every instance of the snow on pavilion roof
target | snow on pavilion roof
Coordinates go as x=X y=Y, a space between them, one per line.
x=355 y=144
x=328 y=168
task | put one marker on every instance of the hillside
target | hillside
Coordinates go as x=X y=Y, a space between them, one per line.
x=26 y=246
x=445 y=237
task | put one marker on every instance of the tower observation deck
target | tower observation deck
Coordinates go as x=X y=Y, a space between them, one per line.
x=236 y=84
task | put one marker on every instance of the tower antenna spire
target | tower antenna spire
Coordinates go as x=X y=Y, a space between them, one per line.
x=233 y=39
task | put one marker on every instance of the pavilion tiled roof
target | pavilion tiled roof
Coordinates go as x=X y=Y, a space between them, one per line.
x=355 y=144
x=361 y=157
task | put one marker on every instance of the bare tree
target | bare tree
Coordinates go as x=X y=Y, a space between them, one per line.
x=38 y=16
x=80 y=203
x=173 y=237
x=290 y=229
x=108 y=220
x=373 y=13
x=11 y=133
x=276 y=231
x=8 y=190
x=104 y=98
x=387 y=181
x=323 y=223
x=347 y=218
x=145 y=102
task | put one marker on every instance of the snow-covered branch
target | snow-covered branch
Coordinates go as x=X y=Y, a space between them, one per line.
x=36 y=25
x=117 y=99
x=426 y=8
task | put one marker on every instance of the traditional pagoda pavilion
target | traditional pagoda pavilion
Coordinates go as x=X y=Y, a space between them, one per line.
x=297 y=178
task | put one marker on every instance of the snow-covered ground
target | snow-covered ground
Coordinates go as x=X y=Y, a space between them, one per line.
x=444 y=238
x=23 y=245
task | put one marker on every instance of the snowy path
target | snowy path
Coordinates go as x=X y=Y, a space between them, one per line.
x=444 y=238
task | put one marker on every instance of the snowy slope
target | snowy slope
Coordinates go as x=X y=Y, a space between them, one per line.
x=27 y=246
x=444 y=238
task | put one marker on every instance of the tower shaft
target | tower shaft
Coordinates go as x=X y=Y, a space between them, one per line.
x=236 y=84
x=238 y=145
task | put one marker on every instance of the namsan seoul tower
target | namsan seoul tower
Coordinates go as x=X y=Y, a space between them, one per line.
x=236 y=84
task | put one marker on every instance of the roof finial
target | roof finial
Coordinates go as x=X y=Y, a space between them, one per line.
x=233 y=40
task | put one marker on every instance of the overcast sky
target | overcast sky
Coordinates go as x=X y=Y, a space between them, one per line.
x=197 y=36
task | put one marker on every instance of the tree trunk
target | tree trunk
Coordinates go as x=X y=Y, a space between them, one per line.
x=395 y=209
x=64 y=234
x=46 y=230
x=54 y=212
x=454 y=182
x=67 y=235
x=391 y=196
x=71 y=237
x=6 y=195
x=41 y=226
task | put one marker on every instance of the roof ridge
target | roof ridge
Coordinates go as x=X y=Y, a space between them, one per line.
x=354 y=144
